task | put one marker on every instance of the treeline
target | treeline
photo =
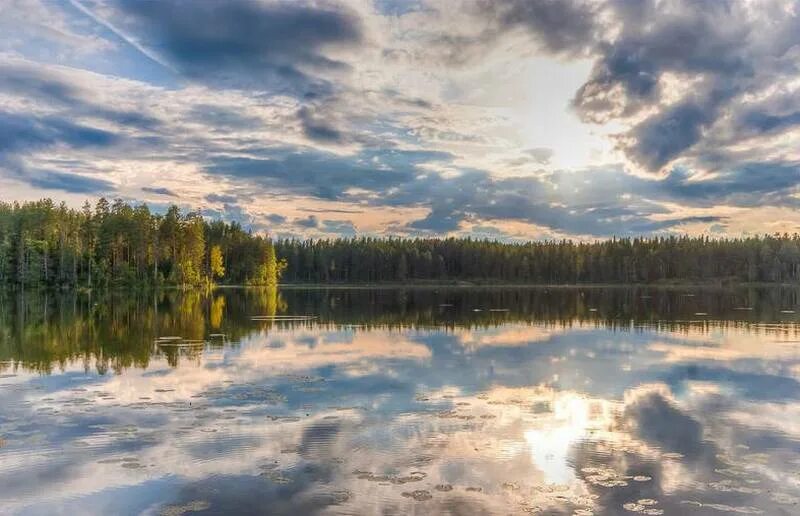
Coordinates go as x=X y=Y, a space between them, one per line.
x=117 y=244
x=638 y=260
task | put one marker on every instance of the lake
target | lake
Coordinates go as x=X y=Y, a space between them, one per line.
x=401 y=401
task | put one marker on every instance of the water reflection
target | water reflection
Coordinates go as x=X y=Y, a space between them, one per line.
x=457 y=401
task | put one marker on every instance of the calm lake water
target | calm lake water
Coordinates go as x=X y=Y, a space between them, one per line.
x=418 y=401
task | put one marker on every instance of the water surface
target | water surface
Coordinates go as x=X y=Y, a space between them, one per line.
x=414 y=401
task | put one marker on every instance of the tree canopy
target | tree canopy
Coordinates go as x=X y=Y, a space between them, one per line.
x=117 y=244
x=769 y=258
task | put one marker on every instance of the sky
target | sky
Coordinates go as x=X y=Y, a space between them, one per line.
x=502 y=119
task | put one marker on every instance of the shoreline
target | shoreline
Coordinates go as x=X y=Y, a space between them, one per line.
x=415 y=286
x=565 y=286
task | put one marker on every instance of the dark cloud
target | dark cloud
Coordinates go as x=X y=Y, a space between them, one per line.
x=228 y=199
x=340 y=227
x=326 y=175
x=664 y=136
x=716 y=53
x=274 y=47
x=160 y=191
x=318 y=129
x=309 y=222
x=73 y=183
x=21 y=133
x=22 y=136
x=724 y=48
x=771 y=115
x=747 y=184
x=39 y=84
x=586 y=203
x=276 y=218
x=439 y=220
x=559 y=26
x=223 y=118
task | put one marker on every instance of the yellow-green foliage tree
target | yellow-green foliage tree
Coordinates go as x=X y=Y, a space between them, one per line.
x=216 y=262
x=270 y=269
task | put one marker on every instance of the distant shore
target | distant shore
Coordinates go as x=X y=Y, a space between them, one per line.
x=420 y=286
x=434 y=285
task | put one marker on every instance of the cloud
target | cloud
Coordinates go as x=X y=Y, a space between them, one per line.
x=318 y=129
x=160 y=191
x=746 y=184
x=324 y=174
x=276 y=218
x=540 y=155
x=19 y=133
x=586 y=203
x=672 y=74
x=688 y=64
x=559 y=26
x=275 y=47
x=61 y=91
x=418 y=112
x=309 y=222
x=223 y=117
x=221 y=198
x=74 y=183
x=339 y=227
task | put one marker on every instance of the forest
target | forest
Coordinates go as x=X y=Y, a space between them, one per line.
x=116 y=244
x=675 y=259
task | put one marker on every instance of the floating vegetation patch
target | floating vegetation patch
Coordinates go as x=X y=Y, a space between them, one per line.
x=179 y=510
x=338 y=497
x=724 y=508
x=419 y=495
x=444 y=488
x=276 y=477
x=644 y=506
x=605 y=477
x=414 y=476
